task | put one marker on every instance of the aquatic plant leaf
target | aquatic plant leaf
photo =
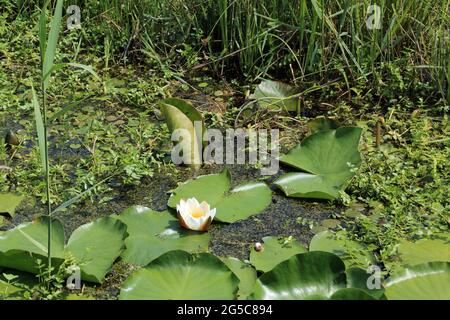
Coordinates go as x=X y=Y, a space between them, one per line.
x=275 y=250
x=424 y=250
x=351 y=252
x=428 y=281
x=329 y=159
x=96 y=246
x=351 y=294
x=9 y=203
x=246 y=275
x=182 y=115
x=152 y=234
x=178 y=275
x=40 y=129
x=310 y=275
x=50 y=49
x=231 y=205
x=321 y=124
x=22 y=246
x=276 y=95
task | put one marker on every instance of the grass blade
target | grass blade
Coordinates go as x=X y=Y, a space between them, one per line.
x=39 y=128
x=52 y=41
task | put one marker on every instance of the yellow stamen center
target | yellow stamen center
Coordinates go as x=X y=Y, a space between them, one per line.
x=197 y=213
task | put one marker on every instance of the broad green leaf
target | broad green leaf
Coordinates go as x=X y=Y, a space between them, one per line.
x=351 y=294
x=310 y=275
x=321 y=124
x=96 y=246
x=178 y=275
x=22 y=246
x=351 y=252
x=209 y=188
x=428 y=281
x=181 y=115
x=329 y=159
x=246 y=275
x=2 y=220
x=151 y=234
x=39 y=128
x=361 y=279
x=424 y=250
x=9 y=203
x=276 y=95
x=231 y=205
x=275 y=250
x=50 y=49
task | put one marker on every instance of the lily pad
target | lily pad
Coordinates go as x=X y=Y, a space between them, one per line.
x=96 y=246
x=22 y=246
x=275 y=250
x=178 y=275
x=329 y=158
x=351 y=252
x=311 y=275
x=152 y=234
x=351 y=294
x=276 y=95
x=9 y=203
x=321 y=124
x=424 y=250
x=240 y=203
x=428 y=281
x=246 y=275
x=181 y=114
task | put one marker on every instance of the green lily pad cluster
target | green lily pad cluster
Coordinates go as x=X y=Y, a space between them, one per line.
x=95 y=246
x=284 y=269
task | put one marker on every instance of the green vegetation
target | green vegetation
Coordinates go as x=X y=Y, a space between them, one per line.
x=86 y=117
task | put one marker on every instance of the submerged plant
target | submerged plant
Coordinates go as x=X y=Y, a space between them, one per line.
x=194 y=215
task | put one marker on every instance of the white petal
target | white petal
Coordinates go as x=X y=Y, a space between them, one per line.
x=204 y=206
x=212 y=213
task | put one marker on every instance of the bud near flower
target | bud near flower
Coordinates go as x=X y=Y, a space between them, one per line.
x=258 y=246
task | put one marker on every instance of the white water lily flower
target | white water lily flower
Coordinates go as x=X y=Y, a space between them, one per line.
x=194 y=215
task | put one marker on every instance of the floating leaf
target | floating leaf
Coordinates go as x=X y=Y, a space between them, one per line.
x=321 y=124
x=181 y=115
x=240 y=203
x=351 y=294
x=424 y=250
x=329 y=158
x=96 y=246
x=9 y=203
x=178 y=275
x=428 y=281
x=276 y=95
x=275 y=250
x=22 y=246
x=311 y=275
x=246 y=275
x=151 y=234
x=351 y=252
